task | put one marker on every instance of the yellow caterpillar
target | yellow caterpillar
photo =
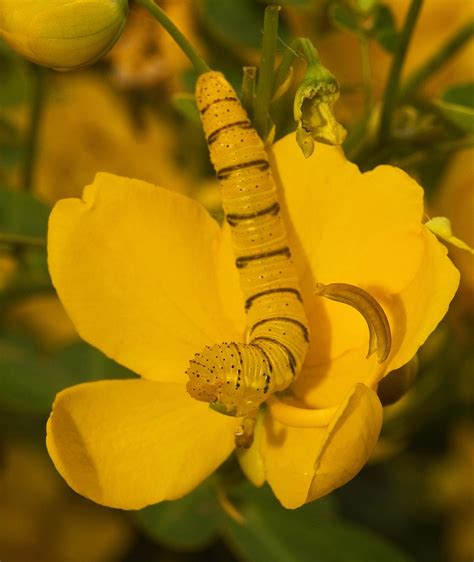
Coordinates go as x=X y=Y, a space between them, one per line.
x=237 y=377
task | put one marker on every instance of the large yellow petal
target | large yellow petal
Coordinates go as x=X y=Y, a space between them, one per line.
x=130 y=443
x=326 y=384
x=348 y=442
x=347 y=227
x=228 y=281
x=134 y=266
x=416 y=311
x=302 y=465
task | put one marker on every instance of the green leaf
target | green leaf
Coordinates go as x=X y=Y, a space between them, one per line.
x=186 y=105
x=10 y=155
x=237 y=24
x=30 y=378
x=14 y=77
x=343 y=18
x=189 y=523
x=22 y=214
x=384 y=30
x=311 y=533
x=457 y=106
x=11 y=149
x=461 y=94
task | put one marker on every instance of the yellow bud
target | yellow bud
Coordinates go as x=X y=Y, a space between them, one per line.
x=441 y=226
x=62 y=34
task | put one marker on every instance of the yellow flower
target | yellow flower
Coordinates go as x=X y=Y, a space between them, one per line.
x=62 y=34
x=148 y=277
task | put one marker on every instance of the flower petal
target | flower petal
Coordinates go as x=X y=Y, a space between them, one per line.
x=230 y=291
x=413 y=314
x=416 y=311
x=348 y=443
x=327 y=384
x=134 y=266
x=130 y=443
x=304 y=464
x=347 y=227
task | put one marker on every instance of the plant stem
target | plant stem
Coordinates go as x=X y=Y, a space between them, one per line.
x=391 y=92
x=198 y=62
x=266 y=70
x=366 y=74
x=433 y=64
x=358 y=132
x=248 y=88
x=20 y=240
x=285 y=65
x=32 y=137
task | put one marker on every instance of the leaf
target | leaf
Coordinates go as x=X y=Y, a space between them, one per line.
x=23 y=214
x=461 y=94
x=30 y=378
x=235 y=27
x=343 y=18
x=10 y=155
x=11 y=149
x=13 y=77
x=384 y=30
x=186 y=105
x=457 y=106
x=189 y=523
x=311 y=533
x=237 y=24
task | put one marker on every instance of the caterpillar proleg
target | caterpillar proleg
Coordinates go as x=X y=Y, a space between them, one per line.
x=237 y=377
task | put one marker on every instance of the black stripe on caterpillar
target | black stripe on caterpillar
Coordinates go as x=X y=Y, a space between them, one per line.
x=236 y=378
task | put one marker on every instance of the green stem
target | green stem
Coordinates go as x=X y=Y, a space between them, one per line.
x=266 y=70
x=433 y=64
x=391 y=92
x=358 y=131
x=20 y=240
x=310 y=55
x=248 y=88
x=285 y=65
x=309 y=51
x=32 y=137
x=198 y=62
x=366 y=74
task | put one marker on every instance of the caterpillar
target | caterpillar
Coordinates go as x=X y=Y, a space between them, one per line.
x=236 y=378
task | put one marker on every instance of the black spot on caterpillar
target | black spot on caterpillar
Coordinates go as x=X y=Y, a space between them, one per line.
x=237 y=377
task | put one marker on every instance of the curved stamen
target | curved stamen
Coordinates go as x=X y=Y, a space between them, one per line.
x=380 y=338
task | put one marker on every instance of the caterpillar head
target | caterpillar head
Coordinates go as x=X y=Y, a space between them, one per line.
x=232 y=377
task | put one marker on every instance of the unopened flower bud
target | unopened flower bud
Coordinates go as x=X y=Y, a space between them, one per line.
x=361 y=7
x=313 y=110
x=62 y=34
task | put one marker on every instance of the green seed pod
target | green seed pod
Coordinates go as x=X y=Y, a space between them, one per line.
x=62 y=34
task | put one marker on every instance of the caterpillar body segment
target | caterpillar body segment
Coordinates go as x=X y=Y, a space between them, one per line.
x=237 y=377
